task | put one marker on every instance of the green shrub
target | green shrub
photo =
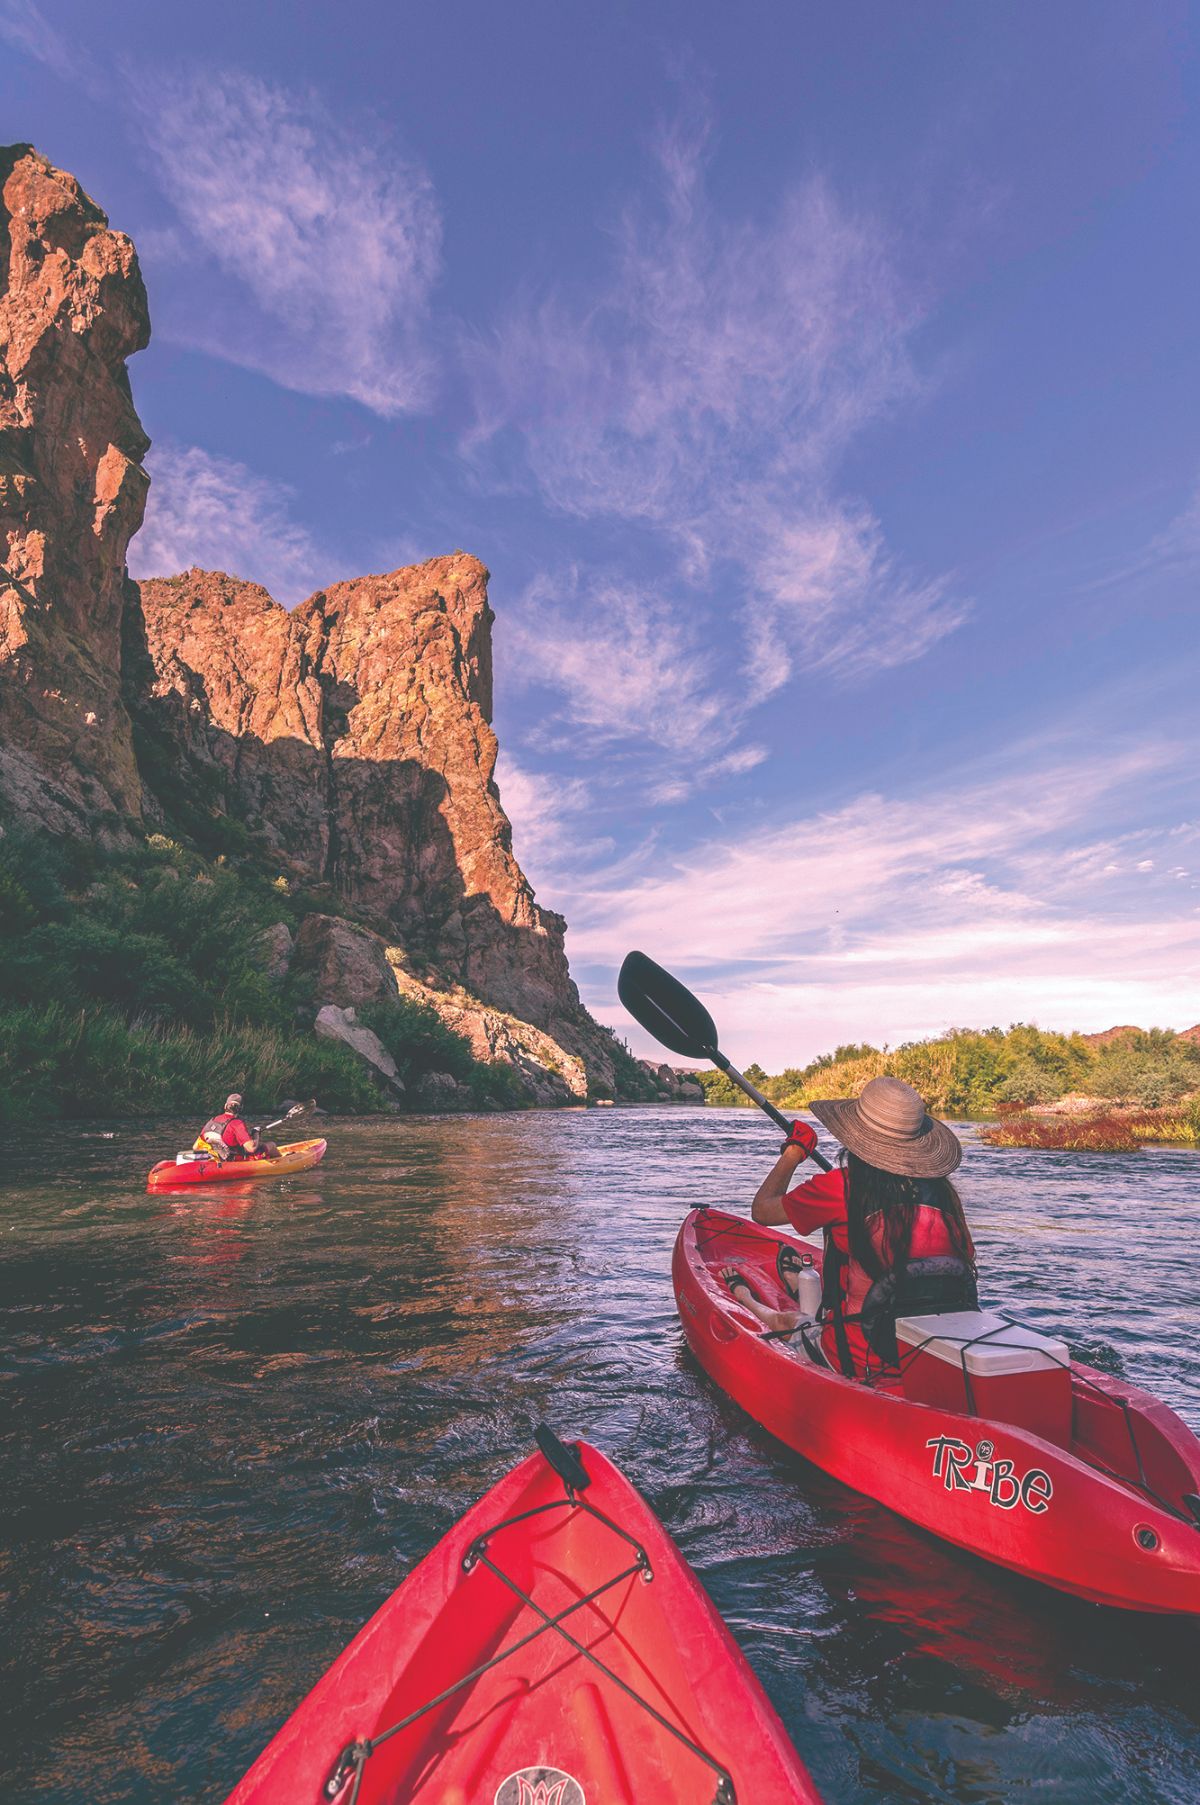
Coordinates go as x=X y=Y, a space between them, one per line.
x=633 y=1081
x=419 y=1040
x=495 y=1085
x=17 y=910
x=1028 y=1082
x=56 y=1061
x=974 y=1072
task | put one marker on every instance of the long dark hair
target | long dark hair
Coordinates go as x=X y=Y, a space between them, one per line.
x=872 y=1192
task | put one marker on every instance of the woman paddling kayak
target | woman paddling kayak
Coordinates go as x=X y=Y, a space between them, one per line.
x=896 y=1239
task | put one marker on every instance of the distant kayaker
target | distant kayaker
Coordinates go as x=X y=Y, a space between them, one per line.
x=896 y=1239
x=226 y=1136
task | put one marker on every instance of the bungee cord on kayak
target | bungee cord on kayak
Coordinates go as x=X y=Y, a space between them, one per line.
x=566 y=1463
x=572 y=1722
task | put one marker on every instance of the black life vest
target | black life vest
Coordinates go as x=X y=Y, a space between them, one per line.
x=211 y=1138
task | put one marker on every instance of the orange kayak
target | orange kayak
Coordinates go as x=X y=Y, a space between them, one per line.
x=296 y=1157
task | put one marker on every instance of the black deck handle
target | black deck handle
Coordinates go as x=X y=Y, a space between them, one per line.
x=565 y=1460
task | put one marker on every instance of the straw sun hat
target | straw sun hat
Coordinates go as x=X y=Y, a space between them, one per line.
x=890 y=1127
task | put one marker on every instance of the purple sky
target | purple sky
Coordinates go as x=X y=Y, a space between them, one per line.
x=820 y=385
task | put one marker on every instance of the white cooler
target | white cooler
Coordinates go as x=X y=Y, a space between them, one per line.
x=1015 y=1375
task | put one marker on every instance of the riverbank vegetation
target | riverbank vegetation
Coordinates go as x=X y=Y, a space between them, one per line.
x=1096 y=1131
x=1132 y=1086
x=136 y=982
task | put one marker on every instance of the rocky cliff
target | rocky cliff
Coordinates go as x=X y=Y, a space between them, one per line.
x=72 y=493
x=352 y=738
x=346 y=745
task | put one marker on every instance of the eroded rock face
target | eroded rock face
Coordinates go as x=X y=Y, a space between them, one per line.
x=72 y=494
x=353 y=737
x=343 y=963
x=351 y=740
x=549 y=1073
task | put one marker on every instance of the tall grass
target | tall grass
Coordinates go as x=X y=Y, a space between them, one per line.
x=57 y=1061
x=132 y=983
x=1066 y=1134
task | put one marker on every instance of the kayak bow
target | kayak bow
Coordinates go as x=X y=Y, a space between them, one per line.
x=1110 y=1513
x=297 y=1156
x=554 y=1647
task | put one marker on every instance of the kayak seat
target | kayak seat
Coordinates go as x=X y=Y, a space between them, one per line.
x=929 y=1287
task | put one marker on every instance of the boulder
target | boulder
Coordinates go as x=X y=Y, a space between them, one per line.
x=333 y=1023
x=273 y=949
x=344 y=963
x=673 y=1084
x=441 y=1090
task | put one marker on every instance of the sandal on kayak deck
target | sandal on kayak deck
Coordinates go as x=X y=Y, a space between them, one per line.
x=733 y=1275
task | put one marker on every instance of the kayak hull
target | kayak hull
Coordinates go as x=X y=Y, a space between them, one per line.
x=299 y=1156
x=1106 y=1519
x=543 y=1723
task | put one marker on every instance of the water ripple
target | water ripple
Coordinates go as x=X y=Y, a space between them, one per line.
x=234 y=1422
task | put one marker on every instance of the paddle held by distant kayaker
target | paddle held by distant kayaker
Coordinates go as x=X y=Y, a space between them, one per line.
x=226 y=1136
x=896 y=1239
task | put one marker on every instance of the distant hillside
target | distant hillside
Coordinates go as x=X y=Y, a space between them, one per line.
x=975 y=1072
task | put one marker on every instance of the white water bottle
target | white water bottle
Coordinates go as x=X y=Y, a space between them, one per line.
x=808 y=1288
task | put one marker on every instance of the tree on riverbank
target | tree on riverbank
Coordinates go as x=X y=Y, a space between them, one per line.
x=972 y=1072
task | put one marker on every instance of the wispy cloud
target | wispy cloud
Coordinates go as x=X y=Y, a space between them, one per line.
x=1177 y=547
x=628 y=667
x=1167 y=557
x=889 y=917
x=546 y=810
x=828 y=593
x=718 y=348
x=308 y=248
x=215 y=513
x=708 y=390
x=26 y=28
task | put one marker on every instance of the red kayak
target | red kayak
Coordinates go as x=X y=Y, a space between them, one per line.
x=553 y=1649
x=194 y=1169
x=1067 y=1475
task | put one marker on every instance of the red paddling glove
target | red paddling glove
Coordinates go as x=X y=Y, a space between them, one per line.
x=801 y=1136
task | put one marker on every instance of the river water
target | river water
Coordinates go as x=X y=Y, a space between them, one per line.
x=231 y=1423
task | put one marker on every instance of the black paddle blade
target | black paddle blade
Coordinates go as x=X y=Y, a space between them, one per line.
x=666 y=1008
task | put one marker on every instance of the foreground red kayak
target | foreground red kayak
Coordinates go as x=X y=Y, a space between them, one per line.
x=553 y=1649
x=299 y=1156
x=1101 y=1497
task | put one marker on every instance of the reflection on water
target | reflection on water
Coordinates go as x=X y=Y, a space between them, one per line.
x=235 y=1418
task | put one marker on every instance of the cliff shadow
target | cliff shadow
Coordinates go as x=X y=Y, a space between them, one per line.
x=367 y=838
